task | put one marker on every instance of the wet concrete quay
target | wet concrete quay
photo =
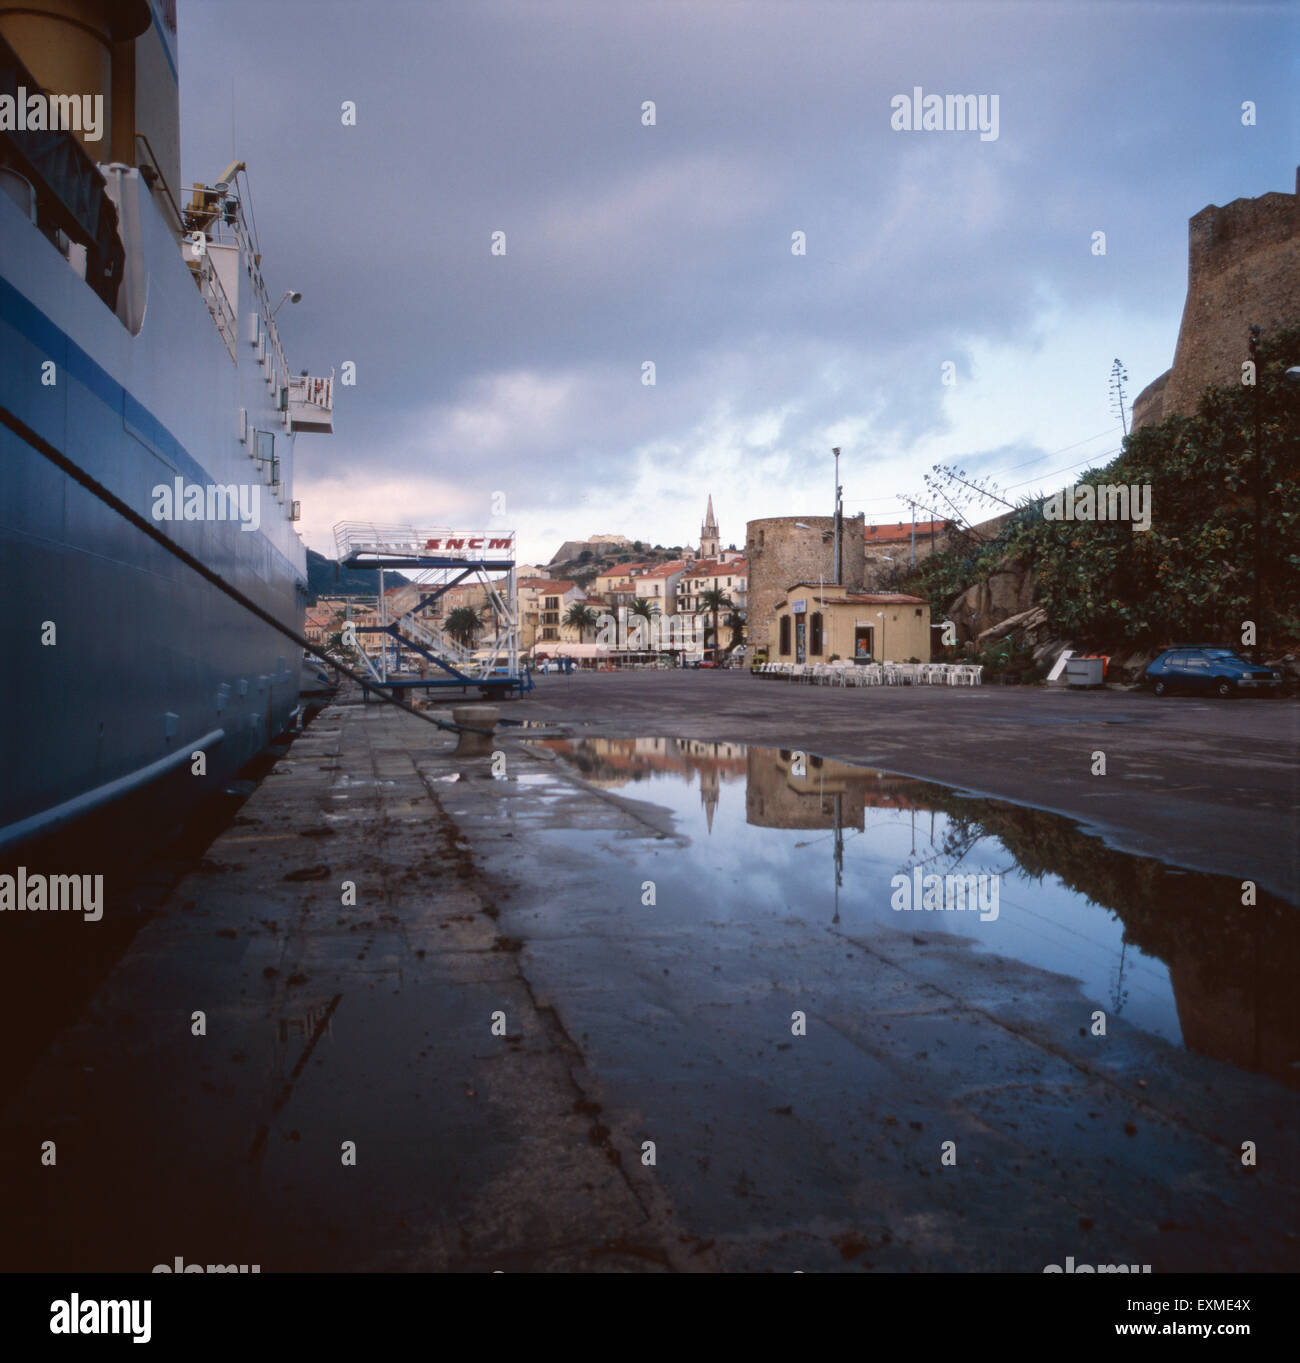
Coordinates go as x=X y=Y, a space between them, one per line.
x=595 y=951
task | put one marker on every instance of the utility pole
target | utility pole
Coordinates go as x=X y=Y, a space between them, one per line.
x=913 y=506
x=839 y=567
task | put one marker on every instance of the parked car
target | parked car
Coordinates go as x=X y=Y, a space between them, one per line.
x=1208 y=668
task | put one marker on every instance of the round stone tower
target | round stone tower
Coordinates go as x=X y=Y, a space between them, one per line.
x=783 y=550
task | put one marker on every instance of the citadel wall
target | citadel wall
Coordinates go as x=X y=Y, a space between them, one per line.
x=1243 y=267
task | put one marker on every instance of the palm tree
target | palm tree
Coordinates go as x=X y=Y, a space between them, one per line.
x=463 y=624
x=737 y=629
x=644 y=609
x=336 y=645
x=713 y=601
x=582 y=618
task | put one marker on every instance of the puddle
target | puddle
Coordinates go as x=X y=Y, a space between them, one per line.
x=775 y=834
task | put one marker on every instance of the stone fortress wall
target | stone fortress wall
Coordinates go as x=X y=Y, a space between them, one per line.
x=1243 y=267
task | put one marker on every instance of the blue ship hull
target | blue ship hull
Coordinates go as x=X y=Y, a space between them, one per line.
x=122 y=661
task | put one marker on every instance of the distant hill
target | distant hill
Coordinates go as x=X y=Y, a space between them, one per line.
x=581 y=567
x=326 y=578
x=570 y=550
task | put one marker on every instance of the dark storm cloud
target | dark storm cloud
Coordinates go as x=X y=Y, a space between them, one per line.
x=672 y=243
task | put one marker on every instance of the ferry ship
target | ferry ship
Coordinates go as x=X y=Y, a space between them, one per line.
x=138 y=346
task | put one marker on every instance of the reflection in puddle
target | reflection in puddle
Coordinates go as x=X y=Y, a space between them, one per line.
x=775 y=832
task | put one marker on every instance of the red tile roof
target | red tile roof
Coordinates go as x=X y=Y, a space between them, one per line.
x=871 y=599
x=893 y=534
x=545 y=584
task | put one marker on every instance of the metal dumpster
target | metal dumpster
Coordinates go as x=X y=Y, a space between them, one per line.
x=1085 y=671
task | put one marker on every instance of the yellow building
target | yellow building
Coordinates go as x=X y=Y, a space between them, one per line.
x=814 y=622
x=618 y=579
x=543 y=604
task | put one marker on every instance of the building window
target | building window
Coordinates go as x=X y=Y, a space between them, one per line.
x=815 y=643
x=785 y=636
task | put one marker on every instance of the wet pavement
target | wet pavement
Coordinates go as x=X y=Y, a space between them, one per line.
x=1209 y=784
x=633 y=1003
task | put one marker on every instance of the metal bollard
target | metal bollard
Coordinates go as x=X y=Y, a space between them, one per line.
x=476 y=717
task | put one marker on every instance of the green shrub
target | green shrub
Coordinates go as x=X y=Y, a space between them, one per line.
x=1190 y=574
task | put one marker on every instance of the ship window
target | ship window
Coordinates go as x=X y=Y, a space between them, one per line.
x=265 y=446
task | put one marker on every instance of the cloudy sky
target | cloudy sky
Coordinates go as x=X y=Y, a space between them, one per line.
x=671 y=243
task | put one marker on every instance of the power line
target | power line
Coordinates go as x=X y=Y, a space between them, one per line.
x=1066 y=450
x=1083 y=463
x=905 y=501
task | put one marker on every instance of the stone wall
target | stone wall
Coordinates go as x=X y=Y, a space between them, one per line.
x=780 y=554
x=571 y=549
x=1243 y=267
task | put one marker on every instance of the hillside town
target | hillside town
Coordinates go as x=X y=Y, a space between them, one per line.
x=609 y=602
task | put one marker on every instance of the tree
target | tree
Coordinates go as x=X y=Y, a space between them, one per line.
x=582 y=618
x=714 y=600
x=737 y=629
x=336 y=645
x=463 y=624
x=644 y=609
x=1189 y=574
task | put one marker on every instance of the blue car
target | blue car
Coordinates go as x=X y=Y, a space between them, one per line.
x=1209 y=668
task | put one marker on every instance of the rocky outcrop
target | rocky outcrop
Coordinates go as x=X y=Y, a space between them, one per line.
x=1007 y=592
x=1026 y=624
x=572 y=549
